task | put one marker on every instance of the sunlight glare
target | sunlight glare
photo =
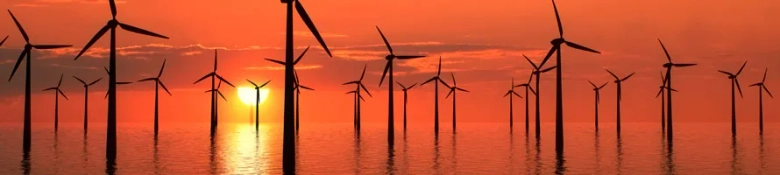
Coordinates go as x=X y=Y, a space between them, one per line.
x=248 y=95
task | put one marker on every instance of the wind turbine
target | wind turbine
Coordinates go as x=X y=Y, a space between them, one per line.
x=57 y=93
x=294 y=88
x=509 y=93
x=538 y=73
x=298 y=88
x=118 y=83
x=112 y=81
x=214 y=76
x=288 y=151
x=157 y=84
x=389 y=68
x=453 y=88
x=215 y=106
x=405 y=89
x=86 y=99
x=598 y=100
x=527 y=86
x=358 y=85
x=257 y=101
x=436 y=96
x=619 y=82
x=27 y=140
x=734 y=82
x=557 y=43
x=661 y=93
x=668 y=80
x=761 y=88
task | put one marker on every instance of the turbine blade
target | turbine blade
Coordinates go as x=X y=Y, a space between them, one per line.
x=204 y=77
x=507 y=93
x=1 y=42
x=301 y=56
x=410 y=87
x=351 y=92
x=665 y=51
x=365 y=89
x=741 y=68
x=629 y=76
x=63 y=94
x=96 y=81
x=266 y=83
x=767 y=91
x=613 y=74
x=454 y=83
x=727 y=73
x=406 y=57
x=351 y=82
x=94 y=39
x=428 y=81
x=532 y=63
x=683 y=65
x=445 y=83
x=738 y=87
x=558 y=18
x=591 y=83
x=18 y=62
x=451 y=91
x=659 y=92
x=364 y=73
x=602 y=86
x=79 y=79
x=51 y=88
x=532 y=90
x=384 y=73
x=439 y=71
x=113 y=8
x=19 y=26
x=162 y=68
x=306 y=19
x=402 y=86
x=121 y=83
x=140 y=31
x=146 y=79
x=361 y=97
x=106 y=69
x=389 y=48
x=215 y=60
x=60 y=83
x=223 y=79
x=581 y=47
x=253 y=83
x=756 y=84
x=44 y=47
x=548 y=69
x=275 y=61
x=518 y=95
x=220 y=94
x=762 y=79
x=164 y=88
x=304 y=87
x=549 y=54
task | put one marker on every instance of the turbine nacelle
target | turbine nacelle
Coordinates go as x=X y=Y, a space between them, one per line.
x=557 y=41
x=389 y=57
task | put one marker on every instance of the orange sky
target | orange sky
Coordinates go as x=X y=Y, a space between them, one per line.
x=480 y=42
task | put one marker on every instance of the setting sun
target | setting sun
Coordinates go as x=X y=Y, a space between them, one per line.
x=248 y=95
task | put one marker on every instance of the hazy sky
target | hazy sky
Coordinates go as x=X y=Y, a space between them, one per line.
x=481 y=43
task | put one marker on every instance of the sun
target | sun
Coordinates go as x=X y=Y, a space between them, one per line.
x=248 y=94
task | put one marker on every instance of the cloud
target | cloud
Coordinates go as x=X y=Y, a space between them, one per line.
x=324 y=35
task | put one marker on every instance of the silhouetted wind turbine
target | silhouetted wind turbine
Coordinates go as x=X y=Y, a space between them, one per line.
x=598 y=100
x=619 y=82
x=734 y=82
x=668 y=80
x=436 y=96
x=453 y=88
x=294 y=88
x=761 y=88
x=405 y=89
x=298 y=88
x=510 y=93
x=215 y=106
x=112 y=82
x=358 y=85
x=157 y=84
x=86 y=99
x=356 y=109
x=57 y=93
x=389 y=68
x=558 y=84
x=214 y=76
x=661 y=93
x=527 y=86
x=26 y=141
x=288 y=151
x=118 y=83
x=538 y=73
x=257 y=101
